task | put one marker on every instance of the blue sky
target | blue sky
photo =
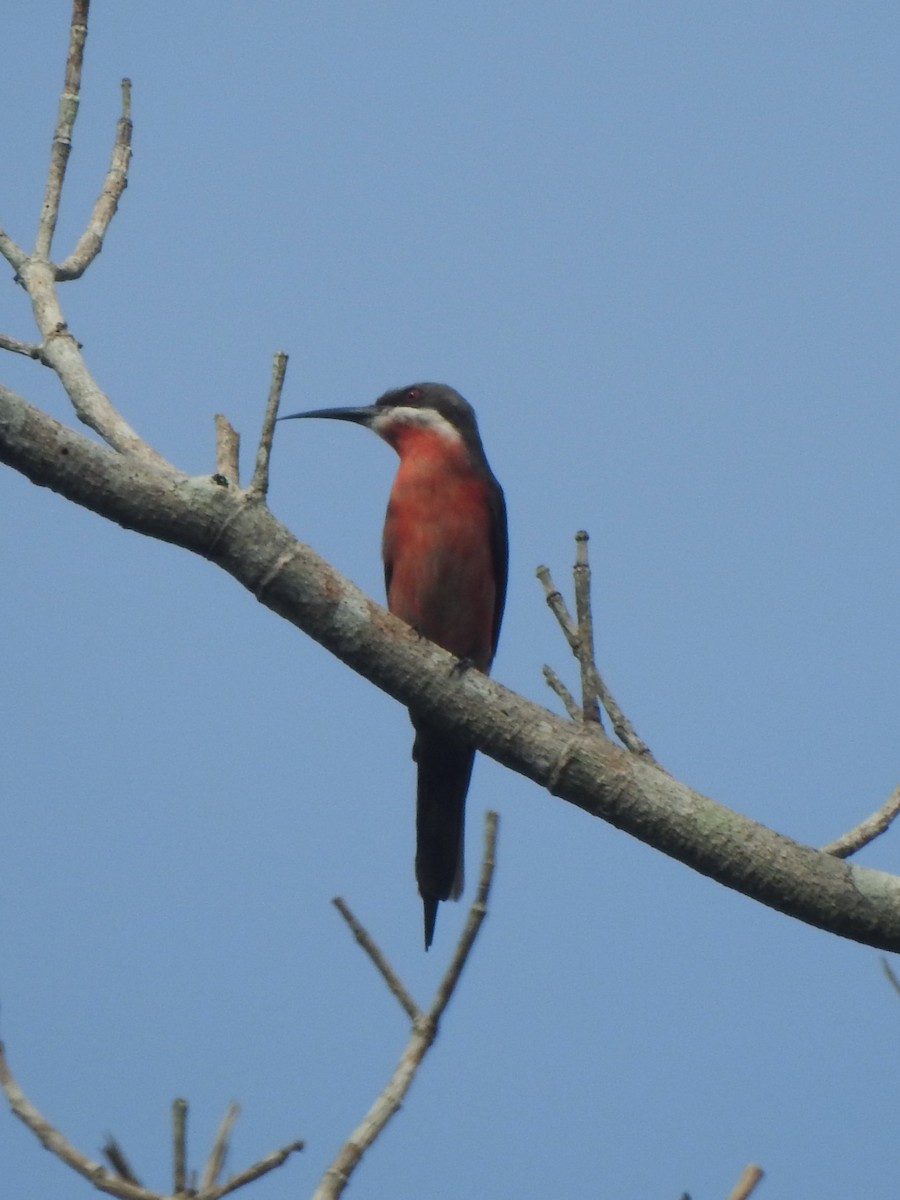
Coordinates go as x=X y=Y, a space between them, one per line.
x=656 y=245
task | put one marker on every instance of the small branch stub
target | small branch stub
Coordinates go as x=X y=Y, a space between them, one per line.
x=866 y=831
x=228 y=446
x=750 y=1177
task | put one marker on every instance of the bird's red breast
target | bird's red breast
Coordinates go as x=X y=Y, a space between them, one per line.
x=437 y=546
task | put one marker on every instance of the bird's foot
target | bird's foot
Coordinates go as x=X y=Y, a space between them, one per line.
x=462 y=665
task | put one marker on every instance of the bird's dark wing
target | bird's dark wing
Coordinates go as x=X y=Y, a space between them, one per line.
x=500 y=555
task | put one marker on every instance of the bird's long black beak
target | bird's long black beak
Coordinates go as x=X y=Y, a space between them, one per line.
x=359 y=416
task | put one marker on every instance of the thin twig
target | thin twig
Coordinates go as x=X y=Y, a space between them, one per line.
x=750 y=1177
x=29 y=349
x=259 y=484
x=556 y=684
x=891 y=976
x=384 y=968
x=90 y=243
x=213 y=1168
x=228 y=445
x=51 y=1139
x=62 y=134
x=249 y=1174
x=123 y=1184
x=557 y=606
x=115 y=1156
x=583 y=615
x=866 y=831
x=179 y=1145
x=477 y=913
x=11 y=251
x=424 y=1031
x=623 y=728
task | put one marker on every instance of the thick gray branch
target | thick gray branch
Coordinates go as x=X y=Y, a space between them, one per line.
x=575 y=763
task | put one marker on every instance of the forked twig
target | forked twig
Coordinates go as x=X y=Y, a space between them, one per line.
x=58 y=348
x=424 y=1025
x=579 y=635
x=90 y=243
x=866 y=831
x=114 y=1182
x=51 y=1139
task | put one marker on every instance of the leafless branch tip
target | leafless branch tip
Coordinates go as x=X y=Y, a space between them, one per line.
x=115 y=1156
x=384 y=968
x=556 y=685
x=866 y=831
x=424 y=1026
x=219 y=1150
x=62 y=134
x=579 y=634
x=90 y=243
x=259 y=485
x=121 y=1180
x=179 y=1145
x=750 y=1177
x=890 y=975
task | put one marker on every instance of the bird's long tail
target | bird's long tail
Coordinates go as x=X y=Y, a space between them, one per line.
x=445 y=768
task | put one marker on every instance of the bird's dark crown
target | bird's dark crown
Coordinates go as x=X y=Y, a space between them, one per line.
x=443 y=399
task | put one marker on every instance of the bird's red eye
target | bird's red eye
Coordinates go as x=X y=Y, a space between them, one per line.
x=414 y=394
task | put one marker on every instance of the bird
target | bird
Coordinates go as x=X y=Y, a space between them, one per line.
x=445 y=552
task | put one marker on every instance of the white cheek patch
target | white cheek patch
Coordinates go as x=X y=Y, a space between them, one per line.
x=425 y=418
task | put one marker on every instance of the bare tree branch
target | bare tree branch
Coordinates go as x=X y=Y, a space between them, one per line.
x=219 y=1150
x=557 y=606
x=422 y=1034
x=382 y=965
x=62 y=134
x=13 y=253
x=556 y=685
x=59 y=349
x=228 y=445
x=115 y=1156
x=585 y=620
x=866 y=831
x=750 y=1177
x=179 y=1145
x=259 y=484
x=590 y=771
x=890 y=975
x=123 y=1182
x=134 y=486
x=582 y=647
x=90 y=243
x=51 y=1139
x=14 y=346
x=249 y=1174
